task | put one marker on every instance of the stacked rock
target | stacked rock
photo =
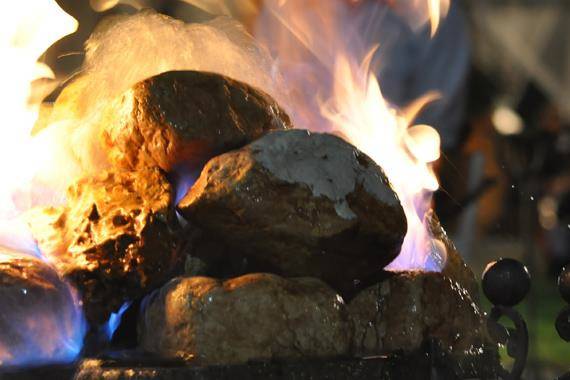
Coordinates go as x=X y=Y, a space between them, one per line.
x=298 y=204
x=118 y=237
x=308 y=207
x=278 y=231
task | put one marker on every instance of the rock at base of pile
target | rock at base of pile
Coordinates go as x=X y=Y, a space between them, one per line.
x=116 y=239
x=405 y=310
x=298 y=204
x=186 y=117
x=39 y=321
x=253 y=317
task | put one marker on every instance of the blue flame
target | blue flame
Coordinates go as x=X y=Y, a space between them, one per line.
x=15 y=236
x=184 y=182
x=40 y=328
x=115 y=320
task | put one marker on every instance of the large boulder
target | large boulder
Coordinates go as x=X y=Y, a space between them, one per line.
x=185 y=117
x=298 y=204
x=39 y=320
x=117 y=238
x=253 y=317
x=408 y=308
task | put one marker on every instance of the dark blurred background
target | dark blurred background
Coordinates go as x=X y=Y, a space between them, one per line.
x=503 y=68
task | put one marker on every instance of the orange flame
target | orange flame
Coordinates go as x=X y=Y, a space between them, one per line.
x=317 y=46
x=28 y=29
x=359 y=112
x=437 y=9
x=318 y=49
x=353 y=105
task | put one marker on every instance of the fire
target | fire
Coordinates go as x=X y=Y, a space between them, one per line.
x=326 y=62
x=359 y=112
x=28 y=28
x=326 y=65
x=325 y=69
x=437 y=8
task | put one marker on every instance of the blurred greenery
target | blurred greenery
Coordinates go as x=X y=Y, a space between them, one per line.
x=540 y=309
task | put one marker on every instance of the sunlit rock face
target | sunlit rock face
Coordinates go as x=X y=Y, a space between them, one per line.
x=94 y=110
x=405 y=310
x=253 y=317
x=183 y=117
x=39 y=319
x=116 y=239
x=298 y=204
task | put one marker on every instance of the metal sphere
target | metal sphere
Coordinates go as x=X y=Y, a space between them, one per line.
x=563 y=324
x=506 y=282
x=564 y=283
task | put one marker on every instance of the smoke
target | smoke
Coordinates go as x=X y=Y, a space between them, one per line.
x=124 y=50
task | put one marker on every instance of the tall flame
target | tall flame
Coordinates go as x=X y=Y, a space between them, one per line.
x=27 y=29
x=43 y=334
x=325 y=60
x=319 y=50
x=359 y=112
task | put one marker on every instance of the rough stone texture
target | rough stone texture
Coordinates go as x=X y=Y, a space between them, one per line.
x=405 y=310
x=38 y=319
x=117 y=238
x=186 y=117
x=298 y=204
x=253 y=317
x=427 y=363
x=455 y=268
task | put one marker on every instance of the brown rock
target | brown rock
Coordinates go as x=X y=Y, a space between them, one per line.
x=405 y=310
x=455 y=268
x=116 y=240
x=186 y=117
x=253 y=317
x=39 y=321
x=299 y=204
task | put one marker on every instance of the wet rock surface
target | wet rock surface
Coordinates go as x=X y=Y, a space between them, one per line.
x=117 y=238
x=186 y=117
x=253 y=317
x=455 y=268
x=38 y=318
x=297 y=204
x=405 y=310
x=419 y=365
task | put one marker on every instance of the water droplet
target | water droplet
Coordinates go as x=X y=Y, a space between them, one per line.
x=24 y=291
x=513 y=186
x=532 y=198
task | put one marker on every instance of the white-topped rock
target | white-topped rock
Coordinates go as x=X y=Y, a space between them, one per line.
x=316 y=159
x=298 y=204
